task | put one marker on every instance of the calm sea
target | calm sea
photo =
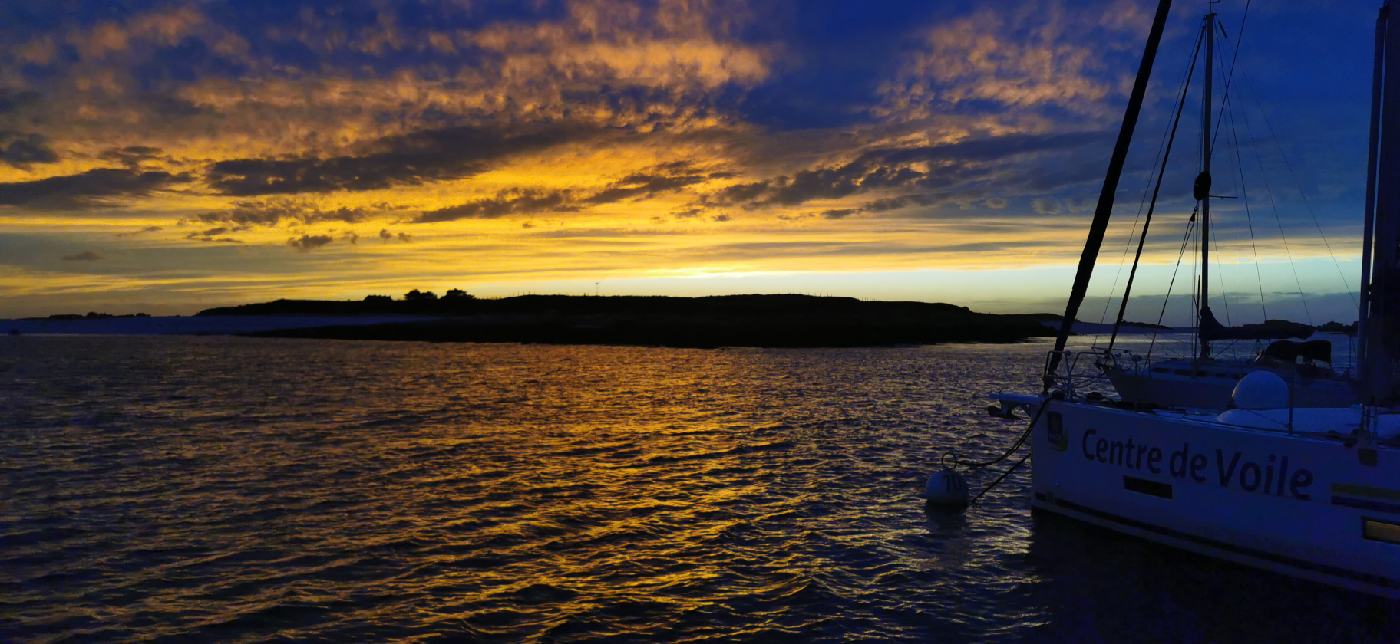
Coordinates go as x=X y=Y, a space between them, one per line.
x=248 y=489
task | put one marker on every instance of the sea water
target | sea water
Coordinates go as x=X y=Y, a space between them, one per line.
x=216 y=487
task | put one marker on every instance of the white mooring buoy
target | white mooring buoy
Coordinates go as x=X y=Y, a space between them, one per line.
x=946 y=488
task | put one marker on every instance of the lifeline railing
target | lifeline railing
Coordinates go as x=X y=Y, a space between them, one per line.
x=1068 y=379
x=1123 y=360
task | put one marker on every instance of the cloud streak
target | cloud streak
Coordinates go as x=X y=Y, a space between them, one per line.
x=971 y=168
x=410 y=159
x=97 y=187
x=651 y=182
x=24 y=150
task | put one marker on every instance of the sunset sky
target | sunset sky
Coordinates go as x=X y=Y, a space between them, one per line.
x=167 y=157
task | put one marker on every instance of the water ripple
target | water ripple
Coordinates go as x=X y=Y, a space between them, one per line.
x=203 y=488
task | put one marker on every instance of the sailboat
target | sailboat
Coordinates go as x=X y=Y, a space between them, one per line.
x=1312 y=493
x=1203 y=380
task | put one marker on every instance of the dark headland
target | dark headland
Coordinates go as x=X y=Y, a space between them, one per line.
x=717 y=321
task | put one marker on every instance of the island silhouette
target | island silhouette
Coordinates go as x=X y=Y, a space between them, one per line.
x=711 y=321
x=755 y=320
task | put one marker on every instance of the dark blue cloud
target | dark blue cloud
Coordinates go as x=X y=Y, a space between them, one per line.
x=91 y=188
x=186 y=62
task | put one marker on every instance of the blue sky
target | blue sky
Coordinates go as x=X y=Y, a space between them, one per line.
x=169 y=156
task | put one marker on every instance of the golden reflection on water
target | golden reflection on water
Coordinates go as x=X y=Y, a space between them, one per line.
x=221 y=488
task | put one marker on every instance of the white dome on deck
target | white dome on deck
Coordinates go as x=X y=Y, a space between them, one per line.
x=1260 y=390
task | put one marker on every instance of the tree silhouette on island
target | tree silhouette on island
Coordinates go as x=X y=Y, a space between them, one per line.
x=415 y=295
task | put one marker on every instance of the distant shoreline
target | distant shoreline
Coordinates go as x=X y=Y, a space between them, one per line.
x=698 y=322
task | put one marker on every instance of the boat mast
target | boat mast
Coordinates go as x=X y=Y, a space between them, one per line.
x=1203 y=187
x=1104 y=210
x=1368 y=215
x=1382 y=317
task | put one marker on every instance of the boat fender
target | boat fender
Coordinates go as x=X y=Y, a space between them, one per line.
x=946 y=488
x=1260 y=390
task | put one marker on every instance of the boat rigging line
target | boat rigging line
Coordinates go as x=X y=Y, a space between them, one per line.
x=1278 y=221
x=1220 y=279
x=1230 y=76
x=1185 y=241
x=1196 y=278
x=1152 y=207
x=1163 y=150
x=1225 y=100
x=1248 y=216
x=1104 y=210
x=1287 y=164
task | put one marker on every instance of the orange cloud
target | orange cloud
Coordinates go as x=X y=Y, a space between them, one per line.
x=1031 y=55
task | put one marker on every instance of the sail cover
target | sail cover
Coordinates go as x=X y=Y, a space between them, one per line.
x=1290 y=351
x=1211 y=329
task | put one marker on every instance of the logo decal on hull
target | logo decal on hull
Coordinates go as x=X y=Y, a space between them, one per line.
x=1232 y=469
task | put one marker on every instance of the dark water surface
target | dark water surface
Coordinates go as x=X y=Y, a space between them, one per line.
x=246 y=489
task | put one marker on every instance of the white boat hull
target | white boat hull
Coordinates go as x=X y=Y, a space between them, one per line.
x=1300 y=505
